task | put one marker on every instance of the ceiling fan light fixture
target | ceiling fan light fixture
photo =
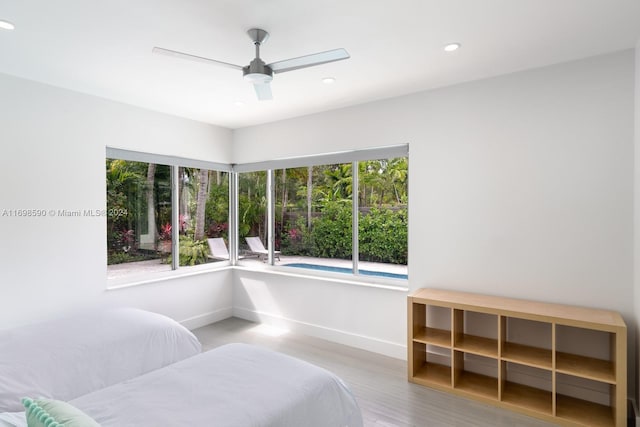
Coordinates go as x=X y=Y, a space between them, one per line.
x=258 y=78
x=452 y=47
x=257 y=72
x=6 y=25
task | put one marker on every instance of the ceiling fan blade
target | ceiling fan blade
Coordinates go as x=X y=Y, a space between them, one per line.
x=263 y=90
x=309 y=60
x=176 y=54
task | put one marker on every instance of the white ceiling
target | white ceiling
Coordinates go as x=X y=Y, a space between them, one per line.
x=104 y=47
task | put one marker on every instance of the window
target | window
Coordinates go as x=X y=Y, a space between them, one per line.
x=151 y=205
x=203 y=214
x=252 y=209
x=339 y=213
x=383 y=216
x=317 y=222
x=313 y=215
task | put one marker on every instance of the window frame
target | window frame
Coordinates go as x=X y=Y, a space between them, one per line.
x=342 y=157
x=174 y=163
x=353 y=157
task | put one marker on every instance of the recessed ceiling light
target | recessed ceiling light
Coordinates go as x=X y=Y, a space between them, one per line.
x=452 y=47
x=239 y=104
x=6 y=25
x=329 y=80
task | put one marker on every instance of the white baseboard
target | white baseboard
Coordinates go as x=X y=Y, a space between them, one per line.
x=207 y=318
x=375 y=345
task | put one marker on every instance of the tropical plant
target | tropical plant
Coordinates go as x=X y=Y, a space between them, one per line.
x=165 y=232
x=217 y=209
x=191 y=252
x=330 y=234
x=382 y=236
x=252 y=204
x=339 y=181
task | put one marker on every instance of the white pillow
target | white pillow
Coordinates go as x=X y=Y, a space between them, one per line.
x=55 y=413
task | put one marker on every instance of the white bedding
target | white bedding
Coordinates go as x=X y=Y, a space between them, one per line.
x=236 y=385
x=70 y=357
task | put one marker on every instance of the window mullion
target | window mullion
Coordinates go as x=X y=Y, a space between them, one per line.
x=355 y=251
x=175 y=217
x=233 y=218
x=270 y=215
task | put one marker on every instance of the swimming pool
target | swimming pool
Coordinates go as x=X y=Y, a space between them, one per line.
x=346 y=270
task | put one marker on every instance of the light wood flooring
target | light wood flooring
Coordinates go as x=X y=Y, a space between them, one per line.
x=379 y=383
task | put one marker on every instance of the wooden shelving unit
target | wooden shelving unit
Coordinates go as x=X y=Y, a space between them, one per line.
x=478 y=364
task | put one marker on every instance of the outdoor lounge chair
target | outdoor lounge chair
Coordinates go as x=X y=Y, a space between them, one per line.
x=257 y=248
x=218 y=248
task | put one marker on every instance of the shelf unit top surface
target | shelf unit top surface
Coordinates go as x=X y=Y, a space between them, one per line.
x=517 y=307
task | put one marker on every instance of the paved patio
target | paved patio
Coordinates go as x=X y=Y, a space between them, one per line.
x=119 y=271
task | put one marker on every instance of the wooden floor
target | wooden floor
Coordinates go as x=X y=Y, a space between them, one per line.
x=379 y=383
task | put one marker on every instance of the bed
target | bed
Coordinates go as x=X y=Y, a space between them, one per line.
x=236 y=385
x=69 y=357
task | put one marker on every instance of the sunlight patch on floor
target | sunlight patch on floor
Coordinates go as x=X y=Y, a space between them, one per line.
x=268 y=330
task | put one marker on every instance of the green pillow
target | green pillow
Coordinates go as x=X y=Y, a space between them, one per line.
x=55 y=413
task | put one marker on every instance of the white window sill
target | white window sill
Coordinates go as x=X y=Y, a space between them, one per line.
x=163 y=276
x=344 y=278
x=366 y=281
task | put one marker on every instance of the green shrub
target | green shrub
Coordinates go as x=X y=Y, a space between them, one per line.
x=192 y=252
x=383 y=236
x=331 y=233
x=296 y=240
x=123 y=257
x=217 y=212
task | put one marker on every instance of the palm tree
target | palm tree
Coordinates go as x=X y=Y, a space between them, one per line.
x=397 y=172
x=309 y=194
x=201 y=203
x=371 y=177
x=339 y=179
x=152 y=230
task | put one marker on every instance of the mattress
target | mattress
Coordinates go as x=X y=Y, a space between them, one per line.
x=70 y=357
x=236 y=385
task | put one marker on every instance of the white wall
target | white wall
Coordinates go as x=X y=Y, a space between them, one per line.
x=53 y=156
x=345 y=313
x=520 y=186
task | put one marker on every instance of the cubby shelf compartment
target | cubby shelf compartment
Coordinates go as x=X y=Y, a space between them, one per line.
x=430 y=368
x=527 y=398
x=439 y=337
x=433 y=374
x=482 y=386
x=582 y=412
x=585 y=367
x=467 y=327
x=491 y=334
x=477 y=345
x=527 y=355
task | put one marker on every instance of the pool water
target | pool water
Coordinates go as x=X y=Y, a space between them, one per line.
x=346 y=270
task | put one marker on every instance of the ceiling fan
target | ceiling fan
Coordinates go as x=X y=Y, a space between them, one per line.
x=259 y=73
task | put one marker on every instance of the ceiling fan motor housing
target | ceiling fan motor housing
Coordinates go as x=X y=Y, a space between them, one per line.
x=257 y=72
